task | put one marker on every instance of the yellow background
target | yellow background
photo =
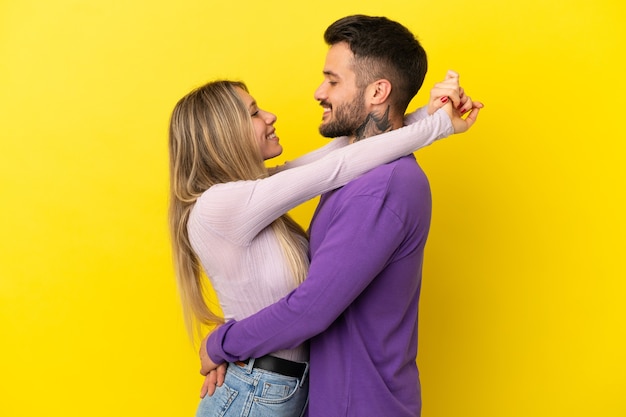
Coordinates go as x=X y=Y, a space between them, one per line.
x=523 y=302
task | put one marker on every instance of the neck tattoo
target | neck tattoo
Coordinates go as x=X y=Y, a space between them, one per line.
x=373 y=125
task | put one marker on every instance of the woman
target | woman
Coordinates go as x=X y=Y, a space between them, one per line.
x=228 y=218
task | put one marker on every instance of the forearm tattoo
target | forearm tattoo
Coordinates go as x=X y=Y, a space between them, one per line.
x=373 y=125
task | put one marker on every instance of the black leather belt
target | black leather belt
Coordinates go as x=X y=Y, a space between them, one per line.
x=279 y=366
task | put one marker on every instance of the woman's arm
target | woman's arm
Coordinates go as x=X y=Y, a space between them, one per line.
x=448 y=88
x=312 y=156
x=240 y=210
x=339 y=142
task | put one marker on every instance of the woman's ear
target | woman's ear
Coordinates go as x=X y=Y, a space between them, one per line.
x=379 y=91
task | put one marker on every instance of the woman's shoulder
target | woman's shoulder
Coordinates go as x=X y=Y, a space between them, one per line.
x=224 y=200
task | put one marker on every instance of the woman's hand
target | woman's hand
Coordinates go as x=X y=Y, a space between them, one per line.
x=448 y=89
x=450 y=96
x=470 y=112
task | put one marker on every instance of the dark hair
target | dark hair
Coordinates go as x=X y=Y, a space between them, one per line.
x=382 y=48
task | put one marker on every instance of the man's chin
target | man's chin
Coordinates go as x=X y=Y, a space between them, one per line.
x=329 y=131
x=323 y=129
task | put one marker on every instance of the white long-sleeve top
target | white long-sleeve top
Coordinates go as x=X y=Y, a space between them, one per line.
x=228 y=224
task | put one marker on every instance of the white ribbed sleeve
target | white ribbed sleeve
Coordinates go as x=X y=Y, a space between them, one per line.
x=228 y=224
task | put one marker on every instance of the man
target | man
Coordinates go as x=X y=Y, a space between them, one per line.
x=359 y=304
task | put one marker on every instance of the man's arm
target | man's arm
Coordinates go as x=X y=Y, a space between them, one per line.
x=344 y=265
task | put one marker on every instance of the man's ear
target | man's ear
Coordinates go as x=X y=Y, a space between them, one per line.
x=379 y=91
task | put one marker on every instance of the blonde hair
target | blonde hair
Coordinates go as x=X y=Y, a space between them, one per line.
x=211 y=141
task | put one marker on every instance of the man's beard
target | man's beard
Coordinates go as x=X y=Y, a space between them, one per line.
x=346 y=118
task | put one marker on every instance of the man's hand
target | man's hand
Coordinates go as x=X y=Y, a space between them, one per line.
x=214 y=374
x=212 y=380
x=206 y=364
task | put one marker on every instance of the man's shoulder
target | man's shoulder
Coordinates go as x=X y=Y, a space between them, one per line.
x=401 y=186
x=397 y=173
x=406 y=163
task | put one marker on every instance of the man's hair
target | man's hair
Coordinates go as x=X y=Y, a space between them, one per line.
x=385 y=49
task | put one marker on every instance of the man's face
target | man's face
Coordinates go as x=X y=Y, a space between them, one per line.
x=343 y=102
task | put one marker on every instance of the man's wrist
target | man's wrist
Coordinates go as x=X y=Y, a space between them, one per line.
x=214 y=344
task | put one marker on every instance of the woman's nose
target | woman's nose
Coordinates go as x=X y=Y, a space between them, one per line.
x=269 y=118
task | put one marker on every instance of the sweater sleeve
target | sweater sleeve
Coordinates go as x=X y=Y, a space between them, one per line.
x=336 y=143
x=312 y=156
x=241 y=210
x=416 y=116
x=343 y=266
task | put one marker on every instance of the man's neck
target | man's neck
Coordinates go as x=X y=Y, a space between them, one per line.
x=375 y=124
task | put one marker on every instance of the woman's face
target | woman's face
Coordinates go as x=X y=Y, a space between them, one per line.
x=263 y=123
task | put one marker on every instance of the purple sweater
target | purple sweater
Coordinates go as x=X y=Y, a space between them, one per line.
x=359 y=304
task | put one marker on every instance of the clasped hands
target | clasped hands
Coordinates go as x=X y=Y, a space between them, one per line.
x=449 y=95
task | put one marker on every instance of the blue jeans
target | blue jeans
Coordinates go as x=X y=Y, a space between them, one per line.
x=248 y=392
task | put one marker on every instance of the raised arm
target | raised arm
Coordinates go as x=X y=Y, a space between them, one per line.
x=448 y=88
x=340 y=142
x=242 y=209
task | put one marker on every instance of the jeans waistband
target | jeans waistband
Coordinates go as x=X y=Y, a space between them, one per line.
x=278 y=365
